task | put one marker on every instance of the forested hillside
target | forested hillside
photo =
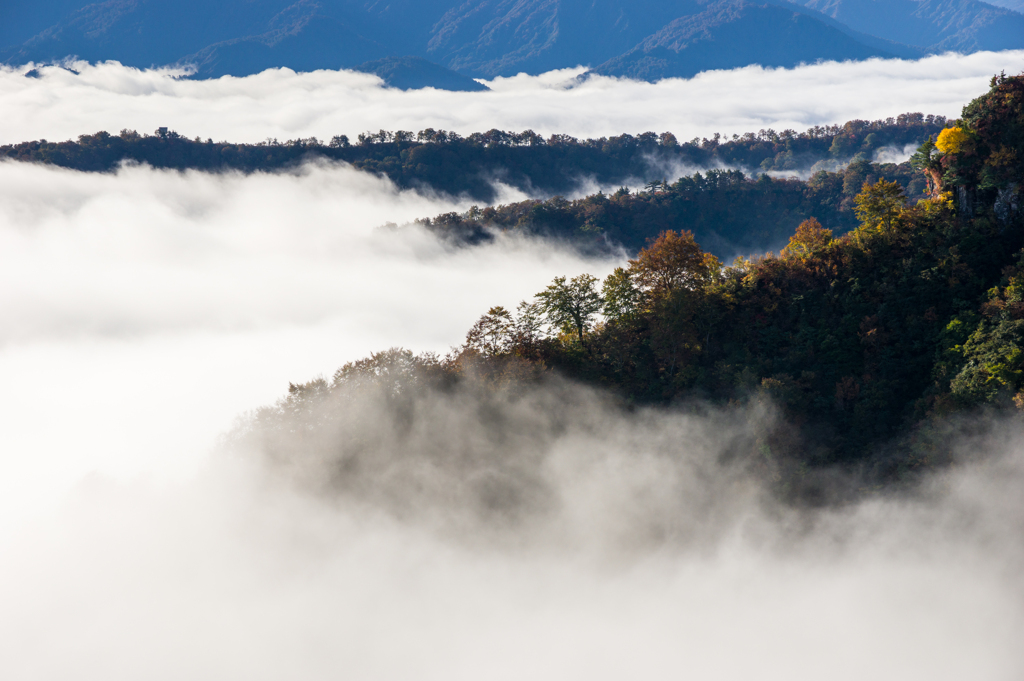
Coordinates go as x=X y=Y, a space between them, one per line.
x=728 y=212
x=457 y=165
x=869 y=343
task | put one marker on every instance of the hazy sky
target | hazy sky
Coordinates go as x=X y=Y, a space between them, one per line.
x=143 y=311
x=279 y=103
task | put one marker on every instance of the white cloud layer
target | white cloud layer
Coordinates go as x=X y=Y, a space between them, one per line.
x=279 y=103
x=230 y=575
x=163 y=304
x=144 y=310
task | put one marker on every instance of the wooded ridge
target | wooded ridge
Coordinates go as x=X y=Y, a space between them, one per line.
x=876 y=346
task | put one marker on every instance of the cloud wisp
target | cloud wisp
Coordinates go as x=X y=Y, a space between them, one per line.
x=61 y=104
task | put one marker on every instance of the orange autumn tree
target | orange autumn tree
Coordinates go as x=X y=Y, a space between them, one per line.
x=672 y=262
x=673 y=275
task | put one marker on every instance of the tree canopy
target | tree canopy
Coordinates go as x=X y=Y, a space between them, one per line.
x=865 y=342
x=571 y=305
x=449 y=162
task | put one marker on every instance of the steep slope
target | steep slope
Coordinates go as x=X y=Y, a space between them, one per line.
x=238 y=37
x=731 y=34
x=23 y=20
x=145 y=32
x=643 y=39
x=148 y=32
x=406 y=26
x=299 y=40
x=410 y=73
x=962 y=25
x=1015 y=5
x=503 y=37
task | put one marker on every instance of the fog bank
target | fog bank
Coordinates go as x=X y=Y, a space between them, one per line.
x=144 y=310
x=242 y=572
x=61 y=104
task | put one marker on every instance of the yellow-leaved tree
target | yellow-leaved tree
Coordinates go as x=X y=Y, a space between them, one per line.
x=879 y=206
x=951 y=140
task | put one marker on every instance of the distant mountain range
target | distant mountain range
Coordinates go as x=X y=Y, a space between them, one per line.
x=1016 y=5
x=447 y=43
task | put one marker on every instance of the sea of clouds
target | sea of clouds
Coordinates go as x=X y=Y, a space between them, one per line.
x=60 y=103
x=148 y=308
x=144 y=311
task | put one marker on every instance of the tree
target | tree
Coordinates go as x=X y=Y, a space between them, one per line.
x=491 y=335
x=500 y=333
x=880 y=204
x=855 y=175
x=810 y=237
x=621 y=297
x=525 y=330
x=571 y=306
x=674 y=260
x=951 y=140
x=930 y=164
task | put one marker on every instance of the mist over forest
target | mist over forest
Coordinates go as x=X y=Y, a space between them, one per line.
x=309 y=377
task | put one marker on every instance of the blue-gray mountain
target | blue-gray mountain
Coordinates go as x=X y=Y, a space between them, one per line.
x=1015 y=5
x=646 y=39
x=961 y=25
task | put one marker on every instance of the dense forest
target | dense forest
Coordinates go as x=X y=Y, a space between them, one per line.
x=447 y=162
x=728 y=212
x=869 y=343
